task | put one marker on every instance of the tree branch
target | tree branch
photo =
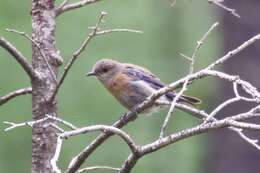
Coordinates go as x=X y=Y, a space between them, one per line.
x=23 y=34
x=230 y=10
x=184 y=86
x=19 y=58
x=76 y=55
x=183 y=134
x=95 y=32
x=14 y=94
x=78 y=160
x=105 y=129
x=64 y=7
x=93 y=168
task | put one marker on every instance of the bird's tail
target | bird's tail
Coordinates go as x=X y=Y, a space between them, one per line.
x=190 y=100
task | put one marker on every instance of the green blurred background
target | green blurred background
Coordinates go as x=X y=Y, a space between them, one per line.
x=168 y=31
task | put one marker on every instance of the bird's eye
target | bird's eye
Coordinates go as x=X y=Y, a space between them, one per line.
x=105 y=70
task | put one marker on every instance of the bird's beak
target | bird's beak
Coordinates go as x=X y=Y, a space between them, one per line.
x=91 y=73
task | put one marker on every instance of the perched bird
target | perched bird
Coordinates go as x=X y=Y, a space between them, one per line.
x=131 y=84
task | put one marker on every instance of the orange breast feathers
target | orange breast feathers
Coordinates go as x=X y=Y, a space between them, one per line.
x=119 y=84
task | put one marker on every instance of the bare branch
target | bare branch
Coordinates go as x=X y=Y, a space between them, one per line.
x=95 y=32
x=77 y=161
x=65 y=2
x=23 y=34
x=67 y=7
x=66 y=123
x=14 y=94
x=94 y=168
x=186 y=57
x=19 y=58
x=173 y=105
x=105 y=129
x=199 y=44
x=56 y=127
x=184 y=87
x=186 y=133
x=226 y=122
x=108 y=31
x=250 y=141
x=235 y=51
x=76 y=54
x=129 y=163
x=29 y=123
x=230 y=10
x=47 y=117
x=243 y=125
x=55 y=158
x=220 y=107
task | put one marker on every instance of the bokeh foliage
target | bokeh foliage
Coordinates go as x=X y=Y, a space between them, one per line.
x=83 y=101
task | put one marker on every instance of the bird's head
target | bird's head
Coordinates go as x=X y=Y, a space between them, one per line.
x=105 y=70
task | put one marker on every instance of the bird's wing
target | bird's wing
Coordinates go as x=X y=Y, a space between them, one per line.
x=141 y=74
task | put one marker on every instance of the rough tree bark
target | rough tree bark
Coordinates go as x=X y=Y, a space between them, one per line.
x=43 y=33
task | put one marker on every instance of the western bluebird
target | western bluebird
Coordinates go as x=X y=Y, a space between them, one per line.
x=131 y=84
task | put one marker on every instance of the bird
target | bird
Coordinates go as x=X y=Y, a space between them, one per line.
x=131 y=84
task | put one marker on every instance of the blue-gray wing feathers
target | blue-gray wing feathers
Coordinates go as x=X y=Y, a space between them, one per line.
x=140 y=74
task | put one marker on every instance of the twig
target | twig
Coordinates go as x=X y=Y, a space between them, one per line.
x=77 y=53
x=252 y=142
x=186 y=57
x=19 y=58
x=199 y=44
x=67 y=7
x=95 y=32
x=14 y=94
x=66 y=123
x=183 y=134
x=230 y=10
x=57 y=127
x=220 y=107
x=65 y=2
x=105 y=129
x=243 y=125
x=23 y=34
x=29 y=123
x=78 y=160
x=184 y=87
x=55 y=158
x=93 y=168
x=173 y=104
x=242 y=97
x=108 y=31
x=235 y=51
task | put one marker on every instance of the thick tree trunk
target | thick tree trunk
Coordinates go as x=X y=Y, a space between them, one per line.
x=229 y=152
x=43 y=32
